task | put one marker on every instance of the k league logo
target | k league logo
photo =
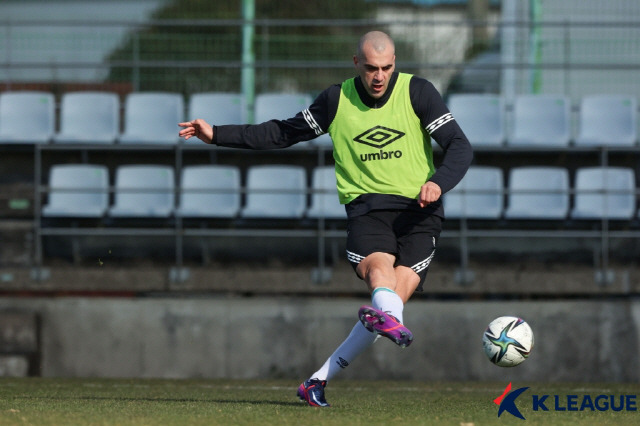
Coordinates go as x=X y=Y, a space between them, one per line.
x=564 y=403
x=507 y=401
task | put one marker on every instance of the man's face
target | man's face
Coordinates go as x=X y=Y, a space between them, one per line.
x=375 y=69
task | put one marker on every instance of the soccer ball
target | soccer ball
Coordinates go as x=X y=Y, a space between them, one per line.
x=507 y=341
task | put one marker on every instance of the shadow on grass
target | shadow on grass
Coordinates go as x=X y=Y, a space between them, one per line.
x=177 y=400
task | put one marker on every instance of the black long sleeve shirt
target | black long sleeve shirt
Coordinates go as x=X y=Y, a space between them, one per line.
x=314 y=121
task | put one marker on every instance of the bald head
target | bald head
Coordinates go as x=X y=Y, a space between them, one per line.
x=375 y=62
x=376 y=41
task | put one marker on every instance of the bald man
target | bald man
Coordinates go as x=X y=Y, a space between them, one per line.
x=381 y=123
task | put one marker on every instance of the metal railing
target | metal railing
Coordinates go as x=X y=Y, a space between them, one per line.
x=598 y=231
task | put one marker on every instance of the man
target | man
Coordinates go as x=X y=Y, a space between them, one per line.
x=381 y=123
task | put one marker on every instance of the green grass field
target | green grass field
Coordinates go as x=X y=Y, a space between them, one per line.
x=37 y=401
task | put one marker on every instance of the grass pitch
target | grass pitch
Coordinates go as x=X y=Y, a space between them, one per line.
x=38 y=401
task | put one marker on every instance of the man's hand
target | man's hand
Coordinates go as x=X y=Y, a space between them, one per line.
x=429 y=192
x=198 y=128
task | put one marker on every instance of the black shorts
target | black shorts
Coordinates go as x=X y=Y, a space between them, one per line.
x=410 y=236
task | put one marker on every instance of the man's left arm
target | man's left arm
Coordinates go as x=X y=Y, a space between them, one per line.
x=441 y=125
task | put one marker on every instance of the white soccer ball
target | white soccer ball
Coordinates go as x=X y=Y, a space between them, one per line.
x=507 y=341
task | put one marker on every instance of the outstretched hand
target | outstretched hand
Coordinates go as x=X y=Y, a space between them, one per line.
x=429 y=192
x=198 y=128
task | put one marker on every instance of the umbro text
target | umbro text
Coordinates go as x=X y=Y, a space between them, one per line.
x=382 y=155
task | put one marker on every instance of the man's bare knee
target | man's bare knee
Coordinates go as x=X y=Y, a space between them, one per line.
x=406 y=282
x=377 y=270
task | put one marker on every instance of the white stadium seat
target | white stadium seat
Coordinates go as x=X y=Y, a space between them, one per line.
x=323 y=141
x=211 y=191
x=324 y=199
x=89 y=117
x=477 y=196
x=538 y=193
x=77 y=190
x=280 y=106
x=481 y=117
x=608 y=120
x=541 y=120
x=152 y=118
x=277 y=191
x=217 y=107
x=604 y=192
x=27 y=117
x=143 y=191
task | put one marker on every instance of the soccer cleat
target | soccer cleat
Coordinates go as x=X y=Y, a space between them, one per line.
x=385 y=325
x=312 y=391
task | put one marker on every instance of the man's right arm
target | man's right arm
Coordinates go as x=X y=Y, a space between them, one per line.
x=307 y=124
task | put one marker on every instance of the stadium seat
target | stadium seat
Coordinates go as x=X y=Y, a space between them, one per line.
x=324 y=199
x=89 y=117
x=280 y=106
x=27 y=117
x=481 y=117
x=275 y=191
x=77 y=190
x=538 y=193
x=152 y=118
x=323 y=141
x=143 y=191
x=211 y=191
x=608 y=120
x=541 y=120
x=477 y=196
x=269 y=106
x=604 y=192
x=217 y=107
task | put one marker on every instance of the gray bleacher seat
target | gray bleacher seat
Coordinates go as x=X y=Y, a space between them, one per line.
x=538 y=193
x=280 y=105
x=604 y=192
x=269 y=106
x=89 y=117
x=275 y=191
x=222 y=199
x=77 y=190
x=323 y=141
x=541 y=120
x=325 y=203
x=477 y=196
x=608 y=120
x=217 y=107
x=27 y=117
x=143 y=191
x=481 y=117
x=152 y=118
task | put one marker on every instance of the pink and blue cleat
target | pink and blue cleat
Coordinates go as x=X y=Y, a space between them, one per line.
x=312 y=391
x=385 y=325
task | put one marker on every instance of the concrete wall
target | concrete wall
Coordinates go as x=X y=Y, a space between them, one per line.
x=290 y=337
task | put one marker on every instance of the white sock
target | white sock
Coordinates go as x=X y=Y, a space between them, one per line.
x=358 y=340
x=388 y=301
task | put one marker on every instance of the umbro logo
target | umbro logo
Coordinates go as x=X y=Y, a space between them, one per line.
x=379 y=136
